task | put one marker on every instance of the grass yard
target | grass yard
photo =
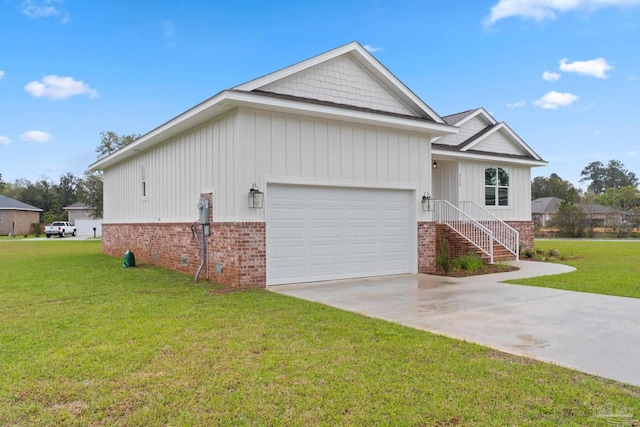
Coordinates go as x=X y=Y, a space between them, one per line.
x=603 y=267
x=84 y=341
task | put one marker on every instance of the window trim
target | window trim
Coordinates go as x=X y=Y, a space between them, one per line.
x=497 y=187
x=143 y=182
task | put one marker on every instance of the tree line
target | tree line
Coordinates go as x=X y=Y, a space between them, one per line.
x=609 y=185
x=52 y=196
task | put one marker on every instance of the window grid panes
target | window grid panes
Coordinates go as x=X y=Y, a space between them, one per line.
x=496 y=186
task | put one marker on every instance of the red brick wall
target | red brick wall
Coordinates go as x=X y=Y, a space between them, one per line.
x=458 y=245
x=525 y=228
x=426 y=247
x=239 y=246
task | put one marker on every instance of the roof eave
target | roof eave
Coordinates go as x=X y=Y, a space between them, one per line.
x=459 y=155
x=228 y=100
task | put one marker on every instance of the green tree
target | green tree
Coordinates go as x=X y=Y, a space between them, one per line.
x=90 y=191
x=553 y=186
x=2 y=184
x=570 y=220
x=111 y=142
x=602 y=177
x=66 y=190
x=623 y=198
x=595 y=173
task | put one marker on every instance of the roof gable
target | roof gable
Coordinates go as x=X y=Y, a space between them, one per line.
x=347 y=75
x=480 y=132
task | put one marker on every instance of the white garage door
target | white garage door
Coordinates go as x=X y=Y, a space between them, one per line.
x=324 y=233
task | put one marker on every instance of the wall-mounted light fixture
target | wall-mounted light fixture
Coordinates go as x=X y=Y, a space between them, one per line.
x=256 y=197
x=435 y=164
x=426 y=202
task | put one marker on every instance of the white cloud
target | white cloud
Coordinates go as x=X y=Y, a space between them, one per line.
x=57 y=87
x=4 y=140
x=594 y=67
x=36 y=136
x=540 y=10
x=631 y=77
x=553 y=100
x=2 y=74
x=519 y=104
x=45 y=9
x=371 y=48
x=551 y=77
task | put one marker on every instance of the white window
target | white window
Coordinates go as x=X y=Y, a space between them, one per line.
x=496 y=186
x=143 y=182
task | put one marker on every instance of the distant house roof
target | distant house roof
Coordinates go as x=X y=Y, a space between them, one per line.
x=545 y=205
x=77 y=206
x=7 y=203
x=549 y=205
x=599 y=209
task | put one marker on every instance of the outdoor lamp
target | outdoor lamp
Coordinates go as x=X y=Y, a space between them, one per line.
x=256 y=197
x=426 y=202
x=435 y=164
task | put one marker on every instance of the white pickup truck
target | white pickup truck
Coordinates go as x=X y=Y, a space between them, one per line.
x=59 y=228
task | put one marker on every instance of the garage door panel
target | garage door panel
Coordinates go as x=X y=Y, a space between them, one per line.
x=323 y=233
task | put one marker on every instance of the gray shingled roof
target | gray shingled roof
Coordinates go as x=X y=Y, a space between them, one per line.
x=7 y=203
x=455 y=118
x=545 y=205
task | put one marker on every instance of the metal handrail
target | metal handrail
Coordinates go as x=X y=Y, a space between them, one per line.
x=476 y=233
x=503 y=233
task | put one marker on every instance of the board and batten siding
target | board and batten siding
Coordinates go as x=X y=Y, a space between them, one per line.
x=279 y=148
x=176 y=173
x=472 y=189
x=229 y=154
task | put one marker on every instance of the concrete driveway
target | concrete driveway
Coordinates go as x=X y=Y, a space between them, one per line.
x=596 y=334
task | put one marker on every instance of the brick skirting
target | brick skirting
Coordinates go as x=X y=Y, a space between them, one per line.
x=426 y=247
x=525 y=228
x=239 y=246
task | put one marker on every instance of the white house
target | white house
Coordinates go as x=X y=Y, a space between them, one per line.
x=343 y=153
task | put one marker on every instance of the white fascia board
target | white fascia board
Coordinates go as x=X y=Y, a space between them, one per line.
x=458 y=155
x=295 y=68
x=363 y=57
x=199 y=114
x=228 y=100
x=479 y=111
x=340 y=114
x=514 y=137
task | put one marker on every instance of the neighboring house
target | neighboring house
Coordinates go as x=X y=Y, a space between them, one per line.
x=17 y=217
x=81 y=215
x=543 y=209
x=343 y=153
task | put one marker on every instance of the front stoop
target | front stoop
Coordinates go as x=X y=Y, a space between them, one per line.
x=460 y=246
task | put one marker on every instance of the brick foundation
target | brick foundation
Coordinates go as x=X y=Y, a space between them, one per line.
x=525 y=228
x=239 y=246
x=427 y=247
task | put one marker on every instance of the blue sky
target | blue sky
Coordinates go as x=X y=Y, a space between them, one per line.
x=563 y=74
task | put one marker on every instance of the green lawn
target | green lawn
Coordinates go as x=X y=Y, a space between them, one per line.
x=84 y=341
x=603 y=267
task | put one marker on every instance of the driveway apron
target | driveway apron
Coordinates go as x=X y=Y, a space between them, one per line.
x=596 y=334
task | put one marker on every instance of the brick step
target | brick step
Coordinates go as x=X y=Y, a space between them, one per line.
x=500 y=253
